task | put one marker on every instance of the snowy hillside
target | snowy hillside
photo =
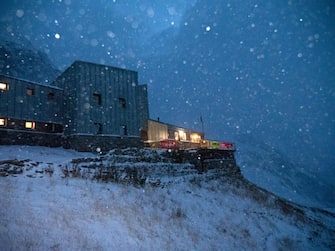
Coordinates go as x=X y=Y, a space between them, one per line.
x=276 y=172
x=44 y=208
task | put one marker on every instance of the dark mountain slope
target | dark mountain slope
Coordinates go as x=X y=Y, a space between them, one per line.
x=18 y=58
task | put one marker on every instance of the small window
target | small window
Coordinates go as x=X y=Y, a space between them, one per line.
x=4 y=86
x=30 y=92
x=99 y=128
x=2 y=122
x=51 y=96
x=123 y=130
x=97 y=98
x=30 y=125
x=122 y=102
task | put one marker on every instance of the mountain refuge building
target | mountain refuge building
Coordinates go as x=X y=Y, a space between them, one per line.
x=88 y=107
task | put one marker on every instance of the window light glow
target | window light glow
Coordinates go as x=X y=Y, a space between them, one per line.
x=176 y=136
x=195 y=138
x=4 y=86
x=2 y=122
x=30 y=125
x=182 y=135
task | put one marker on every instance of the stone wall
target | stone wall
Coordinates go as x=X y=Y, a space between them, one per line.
x=83 y=143
x=101 y=143
x=17 y=137
x=141 y=166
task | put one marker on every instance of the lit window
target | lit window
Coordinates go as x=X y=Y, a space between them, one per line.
x=30 y=91
x=2 y=122
x=176 y=136
x=4 y=86
x=30 y=125
x=195 y=138
x=182 y=135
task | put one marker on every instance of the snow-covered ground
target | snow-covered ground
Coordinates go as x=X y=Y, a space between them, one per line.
x=49 y=211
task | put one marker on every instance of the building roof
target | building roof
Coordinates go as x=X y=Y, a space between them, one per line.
x=30 y=82
x=102 y=65
x=175 y=126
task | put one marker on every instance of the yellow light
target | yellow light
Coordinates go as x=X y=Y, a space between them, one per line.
x=195 y=138
x=30 y=125
x=182 y=135
x=2 y=122
x=3 y=86
x=176 y=136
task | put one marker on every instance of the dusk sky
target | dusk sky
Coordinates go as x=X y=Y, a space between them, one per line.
x=260 y=72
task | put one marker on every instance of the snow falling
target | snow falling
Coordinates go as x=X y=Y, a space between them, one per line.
x=254 y=73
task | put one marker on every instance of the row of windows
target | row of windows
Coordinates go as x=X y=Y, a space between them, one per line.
x=29 y=91
x=123 y=129
x=27 y=124
x=183 y=136
x=97 y=99
x=18 y=124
